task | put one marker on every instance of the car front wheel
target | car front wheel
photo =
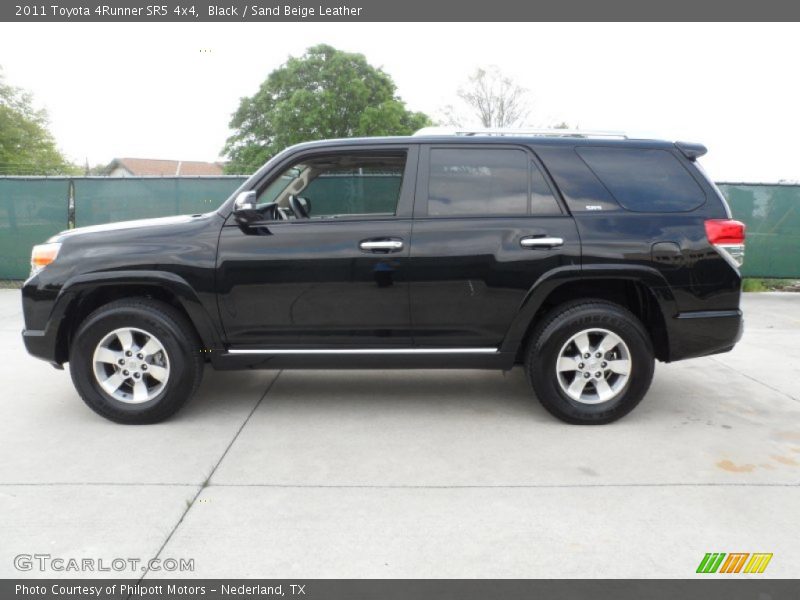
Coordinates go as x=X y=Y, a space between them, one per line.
x=136 y=361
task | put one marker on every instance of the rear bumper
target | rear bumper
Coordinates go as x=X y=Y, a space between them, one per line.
x=701 y=333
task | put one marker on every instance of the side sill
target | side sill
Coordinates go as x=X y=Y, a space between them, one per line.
x=362 y=351
x=351 y=358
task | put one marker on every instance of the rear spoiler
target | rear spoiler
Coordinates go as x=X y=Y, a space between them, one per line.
x=690 y=150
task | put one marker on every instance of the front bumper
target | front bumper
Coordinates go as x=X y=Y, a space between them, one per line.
x=41 y=344
x=701 y=333
x=43 y=308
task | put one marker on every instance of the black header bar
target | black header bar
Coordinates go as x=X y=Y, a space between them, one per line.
x=711 y=587
x=265 y=11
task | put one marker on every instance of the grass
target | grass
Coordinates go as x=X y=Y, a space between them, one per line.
x=754 y=284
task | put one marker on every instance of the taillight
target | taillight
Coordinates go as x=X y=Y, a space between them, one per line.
x=727 y=236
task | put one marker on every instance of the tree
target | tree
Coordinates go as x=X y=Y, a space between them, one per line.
x=326 y=93
x=26 y=145
x=492 y=99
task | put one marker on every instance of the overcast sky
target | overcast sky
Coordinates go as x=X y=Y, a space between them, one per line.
x=147 y=90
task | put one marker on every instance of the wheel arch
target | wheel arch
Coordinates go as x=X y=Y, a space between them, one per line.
x=640 y=289
x=84 y=294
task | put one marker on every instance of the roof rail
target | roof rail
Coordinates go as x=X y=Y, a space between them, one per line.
x=520 y=132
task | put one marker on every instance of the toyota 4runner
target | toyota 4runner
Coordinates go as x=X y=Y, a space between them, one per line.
x=583 y=257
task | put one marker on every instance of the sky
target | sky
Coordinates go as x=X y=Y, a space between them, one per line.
x=168 y=90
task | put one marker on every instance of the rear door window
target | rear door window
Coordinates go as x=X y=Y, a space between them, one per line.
x=466 y=182
x=542 y=200
x=644 y=180
x=477 y=182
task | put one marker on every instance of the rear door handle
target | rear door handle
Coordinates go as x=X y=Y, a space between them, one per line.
x=541 y=242
x=381 y=245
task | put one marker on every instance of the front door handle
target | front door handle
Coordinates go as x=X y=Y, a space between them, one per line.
x=541 y=242
x=381 y=245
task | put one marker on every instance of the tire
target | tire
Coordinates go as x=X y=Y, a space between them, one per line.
x=166 y=377
x=606 y=393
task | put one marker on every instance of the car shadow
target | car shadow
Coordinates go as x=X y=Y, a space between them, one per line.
x=478 y=391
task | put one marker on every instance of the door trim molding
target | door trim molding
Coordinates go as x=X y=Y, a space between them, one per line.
x=365 y=351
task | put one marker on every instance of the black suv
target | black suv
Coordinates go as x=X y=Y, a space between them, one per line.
x=582 y=257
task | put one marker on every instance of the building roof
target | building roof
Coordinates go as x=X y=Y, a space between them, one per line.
x=138 y=167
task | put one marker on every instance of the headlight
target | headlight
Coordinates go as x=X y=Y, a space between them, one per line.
x=42 y=255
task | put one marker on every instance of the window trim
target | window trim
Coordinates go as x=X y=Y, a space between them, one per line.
x=423 y=182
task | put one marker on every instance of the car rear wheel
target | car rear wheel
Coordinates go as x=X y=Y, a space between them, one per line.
x=590 y=362
x=136 y=361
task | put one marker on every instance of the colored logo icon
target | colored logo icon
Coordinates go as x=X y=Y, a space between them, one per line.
x=735 y=562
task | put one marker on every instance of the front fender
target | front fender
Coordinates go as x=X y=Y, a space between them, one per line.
x=77 y=288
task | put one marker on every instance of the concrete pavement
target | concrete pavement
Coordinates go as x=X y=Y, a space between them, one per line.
x=315 y=474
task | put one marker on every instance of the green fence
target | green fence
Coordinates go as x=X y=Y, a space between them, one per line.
x=34 y=208
x=772 y=216
x=105 y=200
x=346 y=194
x=31 y=210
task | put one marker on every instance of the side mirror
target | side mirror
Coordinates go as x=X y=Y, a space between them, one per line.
x=245 y=201
x=244 y=209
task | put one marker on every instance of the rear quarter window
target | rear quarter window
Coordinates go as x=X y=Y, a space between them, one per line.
x=644 y=180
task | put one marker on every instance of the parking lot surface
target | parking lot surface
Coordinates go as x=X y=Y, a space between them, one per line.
x=317 y=474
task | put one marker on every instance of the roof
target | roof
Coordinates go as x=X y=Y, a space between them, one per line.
x=520 y=132
x=529 y=140
x=165 y=168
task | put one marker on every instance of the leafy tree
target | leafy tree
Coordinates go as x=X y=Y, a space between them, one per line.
x=326 y=93
x=26 y=145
